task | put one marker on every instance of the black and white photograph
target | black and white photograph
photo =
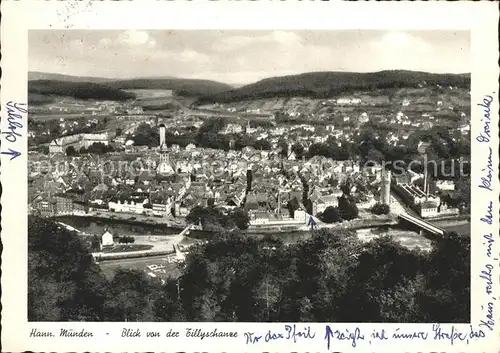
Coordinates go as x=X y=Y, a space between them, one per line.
x=249 y=176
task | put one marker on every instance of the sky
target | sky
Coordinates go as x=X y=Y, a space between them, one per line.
x=241 y=57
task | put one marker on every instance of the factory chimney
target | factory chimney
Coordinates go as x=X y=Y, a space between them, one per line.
x=386 y=187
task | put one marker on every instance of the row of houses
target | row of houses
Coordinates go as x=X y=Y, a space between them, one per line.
x=77 y=141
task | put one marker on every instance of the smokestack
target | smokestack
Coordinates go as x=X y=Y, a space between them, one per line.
x=386 y=191
x=426 y=179
x=279 y=202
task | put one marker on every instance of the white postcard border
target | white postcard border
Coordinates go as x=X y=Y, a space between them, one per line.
x=19 y=16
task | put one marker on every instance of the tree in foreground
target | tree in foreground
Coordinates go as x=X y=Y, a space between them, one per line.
x=347 y=208
x=218 y=220
x=380 y=208
x=331 y=215
x=329 y=277
x=64 y=284
x=446 y=296
x=129 y=297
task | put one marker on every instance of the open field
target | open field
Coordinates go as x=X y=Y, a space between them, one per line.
x=406 y=238
x=160 y=267
x=461 y=227
x=142 y=94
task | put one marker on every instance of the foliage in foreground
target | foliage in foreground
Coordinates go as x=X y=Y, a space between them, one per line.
x=329 y=277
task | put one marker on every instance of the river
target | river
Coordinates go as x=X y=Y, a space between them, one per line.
x=407 y=238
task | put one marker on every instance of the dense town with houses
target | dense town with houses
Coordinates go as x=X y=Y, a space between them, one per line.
x=275 y=184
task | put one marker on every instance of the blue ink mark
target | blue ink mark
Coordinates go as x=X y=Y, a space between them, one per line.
x=12 y=153
x=341 y=336
x=488 y=177
x=485 y=135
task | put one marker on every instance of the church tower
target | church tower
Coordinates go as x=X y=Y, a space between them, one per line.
x=164 y=167
x=162 y=132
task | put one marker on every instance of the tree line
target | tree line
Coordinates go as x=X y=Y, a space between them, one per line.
x=330 y=277
x=80 y=90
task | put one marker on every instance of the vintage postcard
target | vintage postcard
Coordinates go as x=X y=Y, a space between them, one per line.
x=250 y=176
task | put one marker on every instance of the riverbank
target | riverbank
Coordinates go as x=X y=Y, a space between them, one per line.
x=379 y=221
x=459 y=218
x=159 y=225
x=134 y=219
x=143 y=227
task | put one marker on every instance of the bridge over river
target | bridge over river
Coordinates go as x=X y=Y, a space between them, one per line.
x=422 y=224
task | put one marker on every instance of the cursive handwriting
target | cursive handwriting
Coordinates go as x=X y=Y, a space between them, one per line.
x=353 y=336
x=475 y=334
x=490 y=241
x=489 y=322
x=15 y=113
x=411 y=335
x=380 y=335
x=487 y=177
x=252 y=337
x=343 y=336
x=485 y=135
x=486 y=275
x=452 y=335
x=290 y=333
x=488 y=217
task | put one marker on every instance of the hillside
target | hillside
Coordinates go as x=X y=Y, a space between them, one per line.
x=327 y=84
x=37 y=76
x=180 y=87
x=80 y=90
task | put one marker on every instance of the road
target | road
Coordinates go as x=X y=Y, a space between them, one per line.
x=398 y=206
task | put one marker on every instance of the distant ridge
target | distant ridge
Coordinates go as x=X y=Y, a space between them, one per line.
x=37 y=76
x=312 y=84
x=43 y=91
x=330 y=83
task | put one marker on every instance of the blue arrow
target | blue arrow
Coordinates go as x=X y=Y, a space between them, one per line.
x=14 y=154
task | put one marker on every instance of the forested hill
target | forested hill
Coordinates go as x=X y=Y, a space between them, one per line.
x=37 y=75
x=80 y=90
x=49 y=84
x=328 y=84
x=181 y=87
